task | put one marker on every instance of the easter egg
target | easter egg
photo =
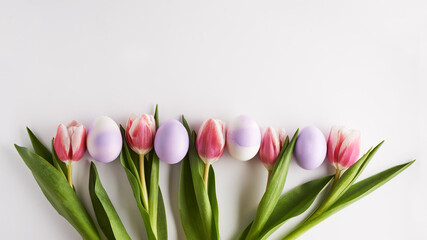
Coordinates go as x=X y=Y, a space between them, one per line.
x=243 y=138
x=171 y=142
x=310 y=148
x=104 y=140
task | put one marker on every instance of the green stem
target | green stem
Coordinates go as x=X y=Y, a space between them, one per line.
x=337 y=176
x=268 y=178
x=70 y=173
x=206 y=175
x=143 y=185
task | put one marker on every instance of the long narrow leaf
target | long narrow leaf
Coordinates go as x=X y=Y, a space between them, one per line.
x=348 y=178
x=366 y=186
x=106 y=214
x=153 y=184
x=128 y=162
x=200 y=189
x=354 y=193
x=59 y=193
x=213 y=200
x=162 y=230
x=274 y=190
x=292 y=204
x=39 y=148
x=153 y=197
x=188 y=208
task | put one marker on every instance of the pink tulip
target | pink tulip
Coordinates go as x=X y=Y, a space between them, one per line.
x=343 y=147
x=210 y=140
x=140 y=132
x=271 y=143
x=70 y=142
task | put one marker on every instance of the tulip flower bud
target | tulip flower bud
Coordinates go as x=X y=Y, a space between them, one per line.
x=140 y=132
x=210 y=140
x=70 y=142
x=343 y=147
x=272 y=141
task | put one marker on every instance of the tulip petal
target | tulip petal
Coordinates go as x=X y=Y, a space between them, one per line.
x=334 y=144
x=78 y=143
x=283 y=135
x=350 y=149
x=128 y=126
x=62 y=143
x=343 y=147
x=140 y=132
x=270 y=146
x=151 y=122
x=210 y=141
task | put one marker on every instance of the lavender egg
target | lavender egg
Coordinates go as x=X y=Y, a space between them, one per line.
x=171 y=142
x=104 y=140
x=243 y=138
x=310 y=148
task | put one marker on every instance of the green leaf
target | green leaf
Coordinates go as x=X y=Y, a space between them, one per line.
x=156 y=116
x=39 y=148
x=366 y=186
x=354 y=193
x=106 y=214
x=188 y=209
x=199 y=188
x=185 y=123
x=274 y=190
x=153 y=184
x=345 y=181
x=59 y=193
x=133 y=180
x=292 y=204
x=213 y=200
x=129 y=162
x=44 y=152
x=162 y=229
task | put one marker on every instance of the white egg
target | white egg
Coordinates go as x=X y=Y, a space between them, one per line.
x=104 y=141
x=243 y=138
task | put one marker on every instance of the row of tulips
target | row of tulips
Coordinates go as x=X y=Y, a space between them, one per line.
x=143 y=142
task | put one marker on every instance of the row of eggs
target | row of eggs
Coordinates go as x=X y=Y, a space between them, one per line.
x=171 y=142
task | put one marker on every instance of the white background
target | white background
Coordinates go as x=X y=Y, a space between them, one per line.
x=288 y=64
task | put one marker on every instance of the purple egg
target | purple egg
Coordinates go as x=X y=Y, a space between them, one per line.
x=171 y=142
x=104 y=141
x=310 y=148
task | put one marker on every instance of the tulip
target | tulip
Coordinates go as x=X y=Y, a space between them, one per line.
x=343 y=148
x=210 y=143
x=70 y=144
x=140 y=132
x=272 y=141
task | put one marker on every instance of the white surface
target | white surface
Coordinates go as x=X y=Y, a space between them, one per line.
x=288 y=64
